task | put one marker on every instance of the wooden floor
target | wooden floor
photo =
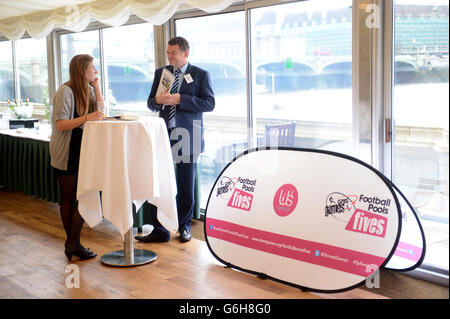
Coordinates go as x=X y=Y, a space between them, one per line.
x=33 y=264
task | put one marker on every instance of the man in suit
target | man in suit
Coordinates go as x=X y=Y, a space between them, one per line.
x=182 y=109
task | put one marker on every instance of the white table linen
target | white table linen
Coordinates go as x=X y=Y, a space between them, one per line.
x=129 y=161
x=43 y=134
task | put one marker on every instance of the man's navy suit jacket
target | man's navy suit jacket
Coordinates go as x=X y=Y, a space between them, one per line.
x=195 y=98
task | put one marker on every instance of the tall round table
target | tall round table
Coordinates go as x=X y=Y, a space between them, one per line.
x=125 y=162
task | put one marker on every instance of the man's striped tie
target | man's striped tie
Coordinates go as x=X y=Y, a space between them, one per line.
x=173 y=90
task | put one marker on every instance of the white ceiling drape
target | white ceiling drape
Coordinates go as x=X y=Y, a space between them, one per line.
x=76 y=17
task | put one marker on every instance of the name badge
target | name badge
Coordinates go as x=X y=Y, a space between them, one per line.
x=188 y=78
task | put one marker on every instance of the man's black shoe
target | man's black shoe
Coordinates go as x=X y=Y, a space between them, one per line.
x=185 y=235
x=154 y=237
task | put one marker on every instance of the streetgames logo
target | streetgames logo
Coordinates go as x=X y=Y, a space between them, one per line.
x=340 y=206
x=225 y=187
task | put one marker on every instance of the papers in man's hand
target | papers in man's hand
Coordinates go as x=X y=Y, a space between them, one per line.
x=166 y=81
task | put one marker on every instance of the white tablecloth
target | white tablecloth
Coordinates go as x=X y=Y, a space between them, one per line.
x=43 y=134
x=129 y=161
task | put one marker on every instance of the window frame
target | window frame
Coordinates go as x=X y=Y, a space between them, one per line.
x=439 y=275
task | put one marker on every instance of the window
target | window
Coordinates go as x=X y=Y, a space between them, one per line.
x=220 y=49
x=6 y=72
x=130 y=63
x=79 y=43
x=420 y=112
x=31 y=57
x=302 y=72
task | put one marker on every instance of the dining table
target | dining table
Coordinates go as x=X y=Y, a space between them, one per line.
x=126 y=162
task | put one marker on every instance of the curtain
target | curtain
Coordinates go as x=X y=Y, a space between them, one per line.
x=25 y=166
x=110 y=12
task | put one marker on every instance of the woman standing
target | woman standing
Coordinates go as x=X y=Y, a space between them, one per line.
x=75 y=103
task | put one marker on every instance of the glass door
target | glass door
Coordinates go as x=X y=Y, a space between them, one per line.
x=420 y=106
x=129 y=58
x=217 y=44
x=302 y=73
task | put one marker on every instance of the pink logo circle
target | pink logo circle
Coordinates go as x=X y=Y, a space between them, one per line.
x=285 y=200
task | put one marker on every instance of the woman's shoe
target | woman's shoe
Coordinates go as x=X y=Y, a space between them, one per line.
x=81 y=252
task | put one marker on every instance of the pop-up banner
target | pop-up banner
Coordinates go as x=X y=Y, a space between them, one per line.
x=410 y=250
x=313 y=219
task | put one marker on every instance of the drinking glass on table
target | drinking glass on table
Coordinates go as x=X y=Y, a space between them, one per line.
x=36 y=126
x=101 y=107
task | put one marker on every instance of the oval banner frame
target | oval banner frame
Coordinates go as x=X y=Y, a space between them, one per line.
x=368 y=222
x=405 y=256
